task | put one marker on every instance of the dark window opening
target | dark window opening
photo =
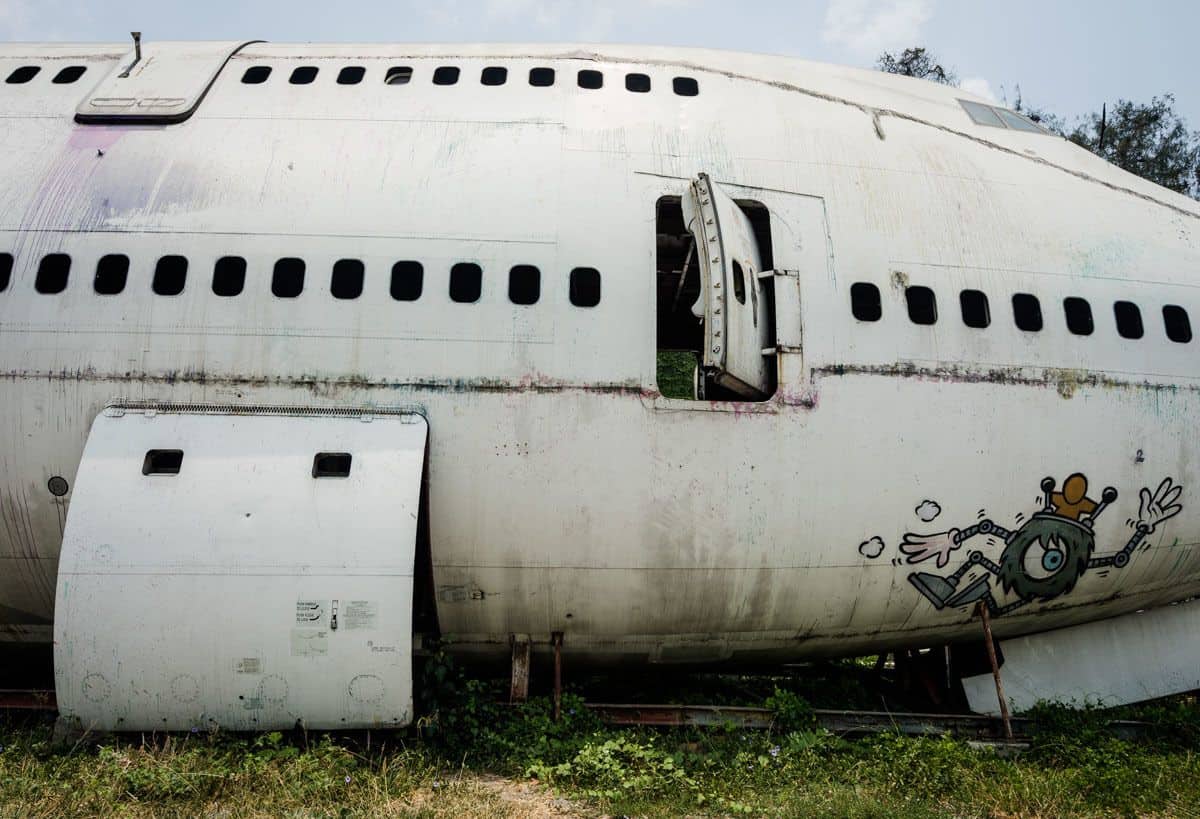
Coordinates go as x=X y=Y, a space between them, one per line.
x=637 y=83
x=303 y=75
x=287 y=281
x=1129 y=319
x=6 y=266
x=680 y=298
x=347 y=279
x=53 y=273
x=541 y=77
x=351 y=75
x=685 y=86
x=229 y=276
x=398 y=75
x=524 y=284
x=1079 y=316
x=466 y=282
x=739 y=282
x=584 y=287
x=256 y=74
x=162 y=462
x=23 y=74
x=922 y=304
x=1027 y=312
x=494 y=75
x=1179 y=326
x=975 y=310
x=69 y=74
x=865 y=302
x=331 y=465
x=408 y=279
x=587 y=78
x=170 y=275
x=445 y=75
x=112 y=271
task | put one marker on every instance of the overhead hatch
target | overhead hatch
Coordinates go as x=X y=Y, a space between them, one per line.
x=158 y=83
x=243 y=569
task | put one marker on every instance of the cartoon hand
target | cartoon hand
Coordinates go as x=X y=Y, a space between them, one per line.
x=923 y=547
x=1154 y=509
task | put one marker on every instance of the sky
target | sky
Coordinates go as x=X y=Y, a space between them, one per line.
x=1066 y=57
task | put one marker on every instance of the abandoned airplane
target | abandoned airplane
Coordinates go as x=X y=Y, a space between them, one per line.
x=312 y=353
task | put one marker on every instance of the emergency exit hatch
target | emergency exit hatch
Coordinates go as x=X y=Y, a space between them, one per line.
x=241 y=569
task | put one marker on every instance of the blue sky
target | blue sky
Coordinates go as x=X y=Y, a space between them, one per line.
x=1067 y=57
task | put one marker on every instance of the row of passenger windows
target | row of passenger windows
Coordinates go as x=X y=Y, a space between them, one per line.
x=170 y=462
x=287 y=278
x=65 y=76
x=867 y=305
x=492 y=75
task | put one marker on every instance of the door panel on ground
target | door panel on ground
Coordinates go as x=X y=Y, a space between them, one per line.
x=737 y=327
x=243 y=570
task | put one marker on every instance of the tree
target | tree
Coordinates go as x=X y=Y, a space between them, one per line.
x=916 y=62
x=1148 y=139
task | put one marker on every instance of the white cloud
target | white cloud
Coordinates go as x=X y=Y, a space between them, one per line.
x=980 y=86
x=866 y=28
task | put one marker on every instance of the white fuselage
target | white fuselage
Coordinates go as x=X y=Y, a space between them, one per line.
x=565 y=493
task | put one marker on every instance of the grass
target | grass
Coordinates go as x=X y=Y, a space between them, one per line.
x=472 y=757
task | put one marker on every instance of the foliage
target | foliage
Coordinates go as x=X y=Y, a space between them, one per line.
x=676 y=373
x=916 y=62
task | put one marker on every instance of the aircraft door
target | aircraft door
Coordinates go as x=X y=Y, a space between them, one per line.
x=737 y=321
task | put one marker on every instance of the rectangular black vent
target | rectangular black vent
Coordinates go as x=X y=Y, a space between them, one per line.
x=331 y=465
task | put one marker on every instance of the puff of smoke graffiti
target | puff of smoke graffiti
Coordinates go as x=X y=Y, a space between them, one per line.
x=872 y=548
x=928 y=510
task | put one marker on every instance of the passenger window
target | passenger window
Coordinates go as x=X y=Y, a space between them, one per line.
x=170 y=274
x=466 y=282
x=23 y=75
x=287 y=282
x=865 y=301
x=1079 y=316
x=6 y=266
x=162 y=462
x=408 y=278
x=69 y=74
x=739 y=282
x=524 y=284
x=1129 y=319
x=347 y=279
x=351 y=75
x=256 y=74
x=494 y=75
x=303 y=75
x=541 y=77
x=229 y=276
x=584 y=289
x=111 y=273
x=445 y=75
x=52 y=273
x=1179 y=326
x=637 y=83
x=922 y=305
x=332 y=465
x=398 y=75
x=975 y=310
x=1027 y=312
x=685 y=86
x=587 y=78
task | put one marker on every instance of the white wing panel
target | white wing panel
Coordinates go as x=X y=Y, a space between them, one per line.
x=240 y=591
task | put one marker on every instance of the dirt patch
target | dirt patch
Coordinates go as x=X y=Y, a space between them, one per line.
x=488 y=795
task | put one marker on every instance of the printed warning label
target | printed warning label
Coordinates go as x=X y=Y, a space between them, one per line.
x=310 y=642
x=248 y=665
x=361 y=614
x=310 y=612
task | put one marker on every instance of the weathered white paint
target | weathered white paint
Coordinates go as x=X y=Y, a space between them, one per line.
x=565 y=493
x=243 y=591
x=1135 y=657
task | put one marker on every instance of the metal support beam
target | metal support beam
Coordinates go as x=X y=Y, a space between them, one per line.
x=519 y=690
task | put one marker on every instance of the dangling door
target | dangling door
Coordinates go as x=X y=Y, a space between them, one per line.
x=737 y=327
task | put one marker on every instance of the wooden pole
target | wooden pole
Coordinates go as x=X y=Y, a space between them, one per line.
x=991 y=651
x=557 y=638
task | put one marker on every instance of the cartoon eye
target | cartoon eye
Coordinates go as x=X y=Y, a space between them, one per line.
x=1052 y=560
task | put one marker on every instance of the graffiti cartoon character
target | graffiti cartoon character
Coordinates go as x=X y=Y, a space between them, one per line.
x=1045 y=557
